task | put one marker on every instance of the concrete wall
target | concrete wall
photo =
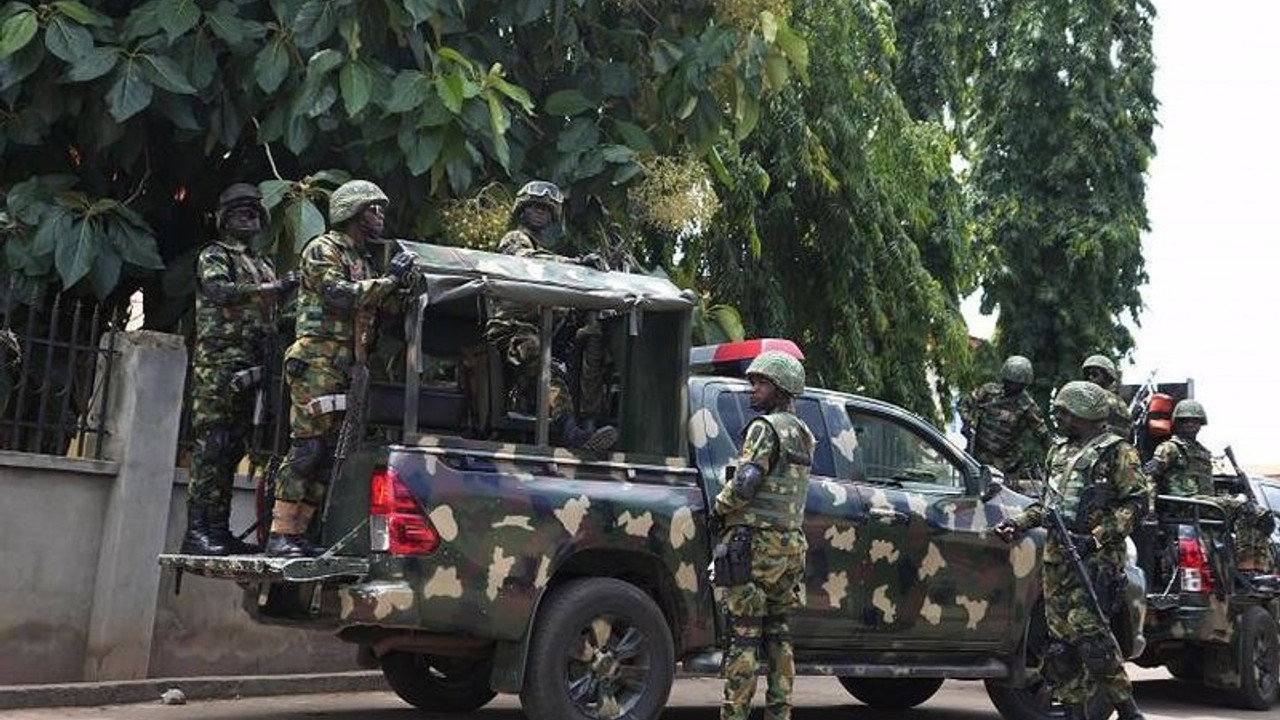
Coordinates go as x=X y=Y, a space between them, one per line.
x=81 y=595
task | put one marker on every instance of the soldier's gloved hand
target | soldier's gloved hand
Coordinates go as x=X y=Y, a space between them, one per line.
x=289 y=282
x=1085 y=544
x=1006 y=530
x=402 y=268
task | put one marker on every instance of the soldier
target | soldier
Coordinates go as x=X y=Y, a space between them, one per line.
x=514 y=328
x=340 y=297
x=235 y=300
x=1001 y=421
x=1100 y=492
x=1183 y=467
x=1099 y=370
x=760 y=558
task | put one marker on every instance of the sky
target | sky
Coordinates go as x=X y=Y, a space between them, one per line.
x=1213 y=252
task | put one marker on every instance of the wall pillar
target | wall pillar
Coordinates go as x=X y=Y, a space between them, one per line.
x=143 y=414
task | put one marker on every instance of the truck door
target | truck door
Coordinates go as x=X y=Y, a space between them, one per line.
x=932 y=570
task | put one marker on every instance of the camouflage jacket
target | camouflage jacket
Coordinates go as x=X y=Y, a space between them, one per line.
x=1097 y=486
x=782 y=446
x=339 y=287
x=1117 y=415
x=520 y=243
x=1004 y=427
x=1182 y=467
x=233 y=319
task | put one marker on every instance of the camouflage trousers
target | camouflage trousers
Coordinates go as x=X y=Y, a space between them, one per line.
x=221 y=419
x=1252 y=539
x=316 y=383
x=756 y=613
x=1094 y=661
x=522 y=351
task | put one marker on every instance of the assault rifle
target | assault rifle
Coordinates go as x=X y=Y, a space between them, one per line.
x=1058 y=529
x=353 y=421
x=1138 y=407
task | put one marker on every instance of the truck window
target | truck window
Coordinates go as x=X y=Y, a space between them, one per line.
x=1271 y=495
x=890 y=451
x=735 y=412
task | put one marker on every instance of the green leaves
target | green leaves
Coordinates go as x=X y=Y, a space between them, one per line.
x=566 y=103
x=93 y=64
x=272 y=65
x=66 y=39
x=165 y=74
x=176 y=17
x=131 y=92
x=356 y=81
x=17 y=30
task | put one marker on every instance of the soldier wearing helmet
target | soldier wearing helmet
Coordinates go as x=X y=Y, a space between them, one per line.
x=1004 y=425
x=338 y=302
x=759 y=561
x=1183 y=467
x=513 y=327
x=236 y=294
x=1097 y=486
x=1099 y=370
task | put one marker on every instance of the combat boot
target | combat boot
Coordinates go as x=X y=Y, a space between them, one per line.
x=575 y=436
x=1128 y=710
x=288 y=536
x=219 y=520
x=201 y=538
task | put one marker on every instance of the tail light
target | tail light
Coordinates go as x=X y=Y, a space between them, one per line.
x=397 y=524
x=1194 y=565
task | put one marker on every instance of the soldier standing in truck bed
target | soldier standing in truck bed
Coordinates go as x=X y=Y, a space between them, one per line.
x=236 y=295
x=1004 y=425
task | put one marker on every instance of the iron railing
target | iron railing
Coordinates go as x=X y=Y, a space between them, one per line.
x=55 y=376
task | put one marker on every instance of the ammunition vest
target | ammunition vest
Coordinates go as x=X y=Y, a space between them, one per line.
x=317 y=318
x=999 y=423
x=1193 y=473
x=779 y=503
x=231 y=332
x=1074 y=480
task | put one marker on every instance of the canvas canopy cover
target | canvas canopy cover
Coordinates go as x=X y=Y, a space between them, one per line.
x=453 y=273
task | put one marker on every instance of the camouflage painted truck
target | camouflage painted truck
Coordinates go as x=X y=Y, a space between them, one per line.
x=470 y=557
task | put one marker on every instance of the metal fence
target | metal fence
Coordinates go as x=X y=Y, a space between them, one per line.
x=55 y=376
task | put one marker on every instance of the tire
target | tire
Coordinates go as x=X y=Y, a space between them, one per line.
x=1259 y=659
x=889 y=693
x=1033 y=700
x=441 y=684
x=601 y=649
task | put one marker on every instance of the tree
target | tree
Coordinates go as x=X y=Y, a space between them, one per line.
x=120 y=122
x=1062 y=125
x=844 y=226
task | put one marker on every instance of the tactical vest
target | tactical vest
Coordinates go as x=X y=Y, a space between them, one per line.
x=779 y=503
x=1074 y=476
x=1193 y=474
x=232 y=332
x=316 y=317
x=999 y=424
x=1117 y=415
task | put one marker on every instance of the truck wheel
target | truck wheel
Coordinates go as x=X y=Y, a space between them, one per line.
x=441 y=684
x=1185 y=667
x=891 y=693
x=601 y=649
x=1034 y=702
x=1259 y=658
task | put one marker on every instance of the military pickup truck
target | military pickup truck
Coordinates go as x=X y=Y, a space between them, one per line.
x=469 y=556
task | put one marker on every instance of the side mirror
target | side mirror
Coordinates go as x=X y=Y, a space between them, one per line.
x=990 y=485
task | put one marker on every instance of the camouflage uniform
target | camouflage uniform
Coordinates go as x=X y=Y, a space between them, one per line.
x=1118 y=420
x=235 y=323
x=515 y=329
x=338 y=303
x=1105 y=470
x=781 y=447
x=1184 y=467
x=1009 y=433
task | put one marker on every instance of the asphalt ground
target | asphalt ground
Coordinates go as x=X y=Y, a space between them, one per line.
x=1159 y=696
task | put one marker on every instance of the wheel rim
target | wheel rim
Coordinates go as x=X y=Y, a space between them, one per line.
x=1264 y=663
x=607 y=668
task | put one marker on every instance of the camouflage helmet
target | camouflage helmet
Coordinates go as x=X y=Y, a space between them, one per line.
x=1103 y=363
x=239 y=194
x=1083 y=399
x=541 y=192
x=1017 y=369
x=350 y=198
x=1190 y=410
x=781 y=369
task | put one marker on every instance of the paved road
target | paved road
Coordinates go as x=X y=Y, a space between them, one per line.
x=818 y=699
